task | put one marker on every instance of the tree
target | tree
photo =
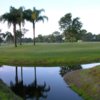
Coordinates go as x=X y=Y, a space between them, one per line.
x=56 y=33
x=82 y=34
x=1 y=40
x=88 y=37
x=9 y=37
x=70 y=27
x=19 y=36
x=40 y=38
x=54 y=37
x=21 y=21
x=98 y=37
x=2 y=35
x=58 y=36
x=24 y=30
x=65 y=21
x=12 y=17
x=34 y=16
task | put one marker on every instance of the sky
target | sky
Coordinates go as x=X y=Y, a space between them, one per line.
x=87 y=10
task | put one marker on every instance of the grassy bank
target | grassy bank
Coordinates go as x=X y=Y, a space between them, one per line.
x=85 y=82
x=50 y=54
x=6 y=93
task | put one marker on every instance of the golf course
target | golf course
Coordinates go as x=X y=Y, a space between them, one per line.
x=50 y=54
x=50 y=50
x=57 y=54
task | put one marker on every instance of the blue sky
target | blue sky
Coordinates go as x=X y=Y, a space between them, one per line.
x=87 y=10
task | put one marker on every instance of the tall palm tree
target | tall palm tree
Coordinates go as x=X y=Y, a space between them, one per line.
x=12 y=18
x=34 y=16
x=21 y=20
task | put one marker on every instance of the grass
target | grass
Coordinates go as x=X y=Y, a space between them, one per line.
x=6 y=93
x=50 y=54
x=85 y=82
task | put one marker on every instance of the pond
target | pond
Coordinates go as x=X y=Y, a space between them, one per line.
x=38 y=83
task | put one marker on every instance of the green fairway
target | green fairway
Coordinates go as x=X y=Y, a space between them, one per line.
x=50 y=54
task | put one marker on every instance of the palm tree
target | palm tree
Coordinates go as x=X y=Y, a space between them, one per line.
x=21 y=20
x=19 y=36
x=9 y=37
x=12 y=17
x=1 y=37
x=34 y=16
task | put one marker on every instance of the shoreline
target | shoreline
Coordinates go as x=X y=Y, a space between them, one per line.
x=6 y=93
x=85 y=82
x=50 y=54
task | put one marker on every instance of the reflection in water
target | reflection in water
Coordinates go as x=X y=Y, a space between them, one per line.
x=37 y=83
x=32 y=90
x=40 y=83
x=66 y=69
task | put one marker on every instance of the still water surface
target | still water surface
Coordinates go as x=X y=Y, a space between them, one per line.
x=39 y=83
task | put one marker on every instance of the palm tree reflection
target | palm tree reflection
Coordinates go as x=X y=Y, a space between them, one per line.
x=69 y=68
x=33 y=90
x=0 y=65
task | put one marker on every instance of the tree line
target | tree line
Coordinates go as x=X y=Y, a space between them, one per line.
x=70 y=28
x=71 y=31
x=18 y=16
x=60 y=38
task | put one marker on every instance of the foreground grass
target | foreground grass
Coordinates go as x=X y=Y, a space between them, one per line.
x=85 y=82
x=6 y=93
x=50 y=54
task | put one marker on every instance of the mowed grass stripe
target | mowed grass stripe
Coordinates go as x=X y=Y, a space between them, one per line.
x=49 y=53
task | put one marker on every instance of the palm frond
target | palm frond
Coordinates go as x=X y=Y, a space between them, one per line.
x=42 y=18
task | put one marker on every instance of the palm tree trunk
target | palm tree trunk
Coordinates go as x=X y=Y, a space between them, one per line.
x=14 y=30
x=34 y=33
x=20 y=35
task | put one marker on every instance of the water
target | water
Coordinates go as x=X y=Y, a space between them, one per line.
x=86 y=66
x=38 y=83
